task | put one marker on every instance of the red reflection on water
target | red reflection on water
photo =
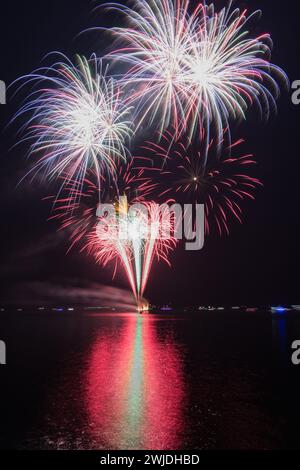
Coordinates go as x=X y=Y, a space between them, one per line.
x=134 y=388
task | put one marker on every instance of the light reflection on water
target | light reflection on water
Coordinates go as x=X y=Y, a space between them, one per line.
x=134 y=388
x=124 y=388
x=194 y=380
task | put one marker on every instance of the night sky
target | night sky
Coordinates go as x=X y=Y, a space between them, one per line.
x=257 y=264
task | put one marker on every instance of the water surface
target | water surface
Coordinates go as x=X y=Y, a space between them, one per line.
x=218 y=380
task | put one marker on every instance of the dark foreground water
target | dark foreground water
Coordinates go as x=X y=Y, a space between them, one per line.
x=120 y=381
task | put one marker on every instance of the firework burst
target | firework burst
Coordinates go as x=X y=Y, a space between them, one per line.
x=78 y=120
x=229 y=70
x=76 y=208
x=195 y=68
x=134 y=235
x=156 y=44
x=222 y=185
x=128 y=234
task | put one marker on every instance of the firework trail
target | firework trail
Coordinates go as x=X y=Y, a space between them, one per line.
x=78 y=120
x=222 y=185
x=194 y=68
x=131 y=234
x=135 y=235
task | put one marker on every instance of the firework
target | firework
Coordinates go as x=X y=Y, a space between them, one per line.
x=76 y=208
x=222 y=185
x=130 y=235
x=194 y=68
x=134 y=235
x=78 y=120
x=189 y=69
x=229 y=70
x=156 y=44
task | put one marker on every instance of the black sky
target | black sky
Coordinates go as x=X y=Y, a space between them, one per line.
x=257 y=264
